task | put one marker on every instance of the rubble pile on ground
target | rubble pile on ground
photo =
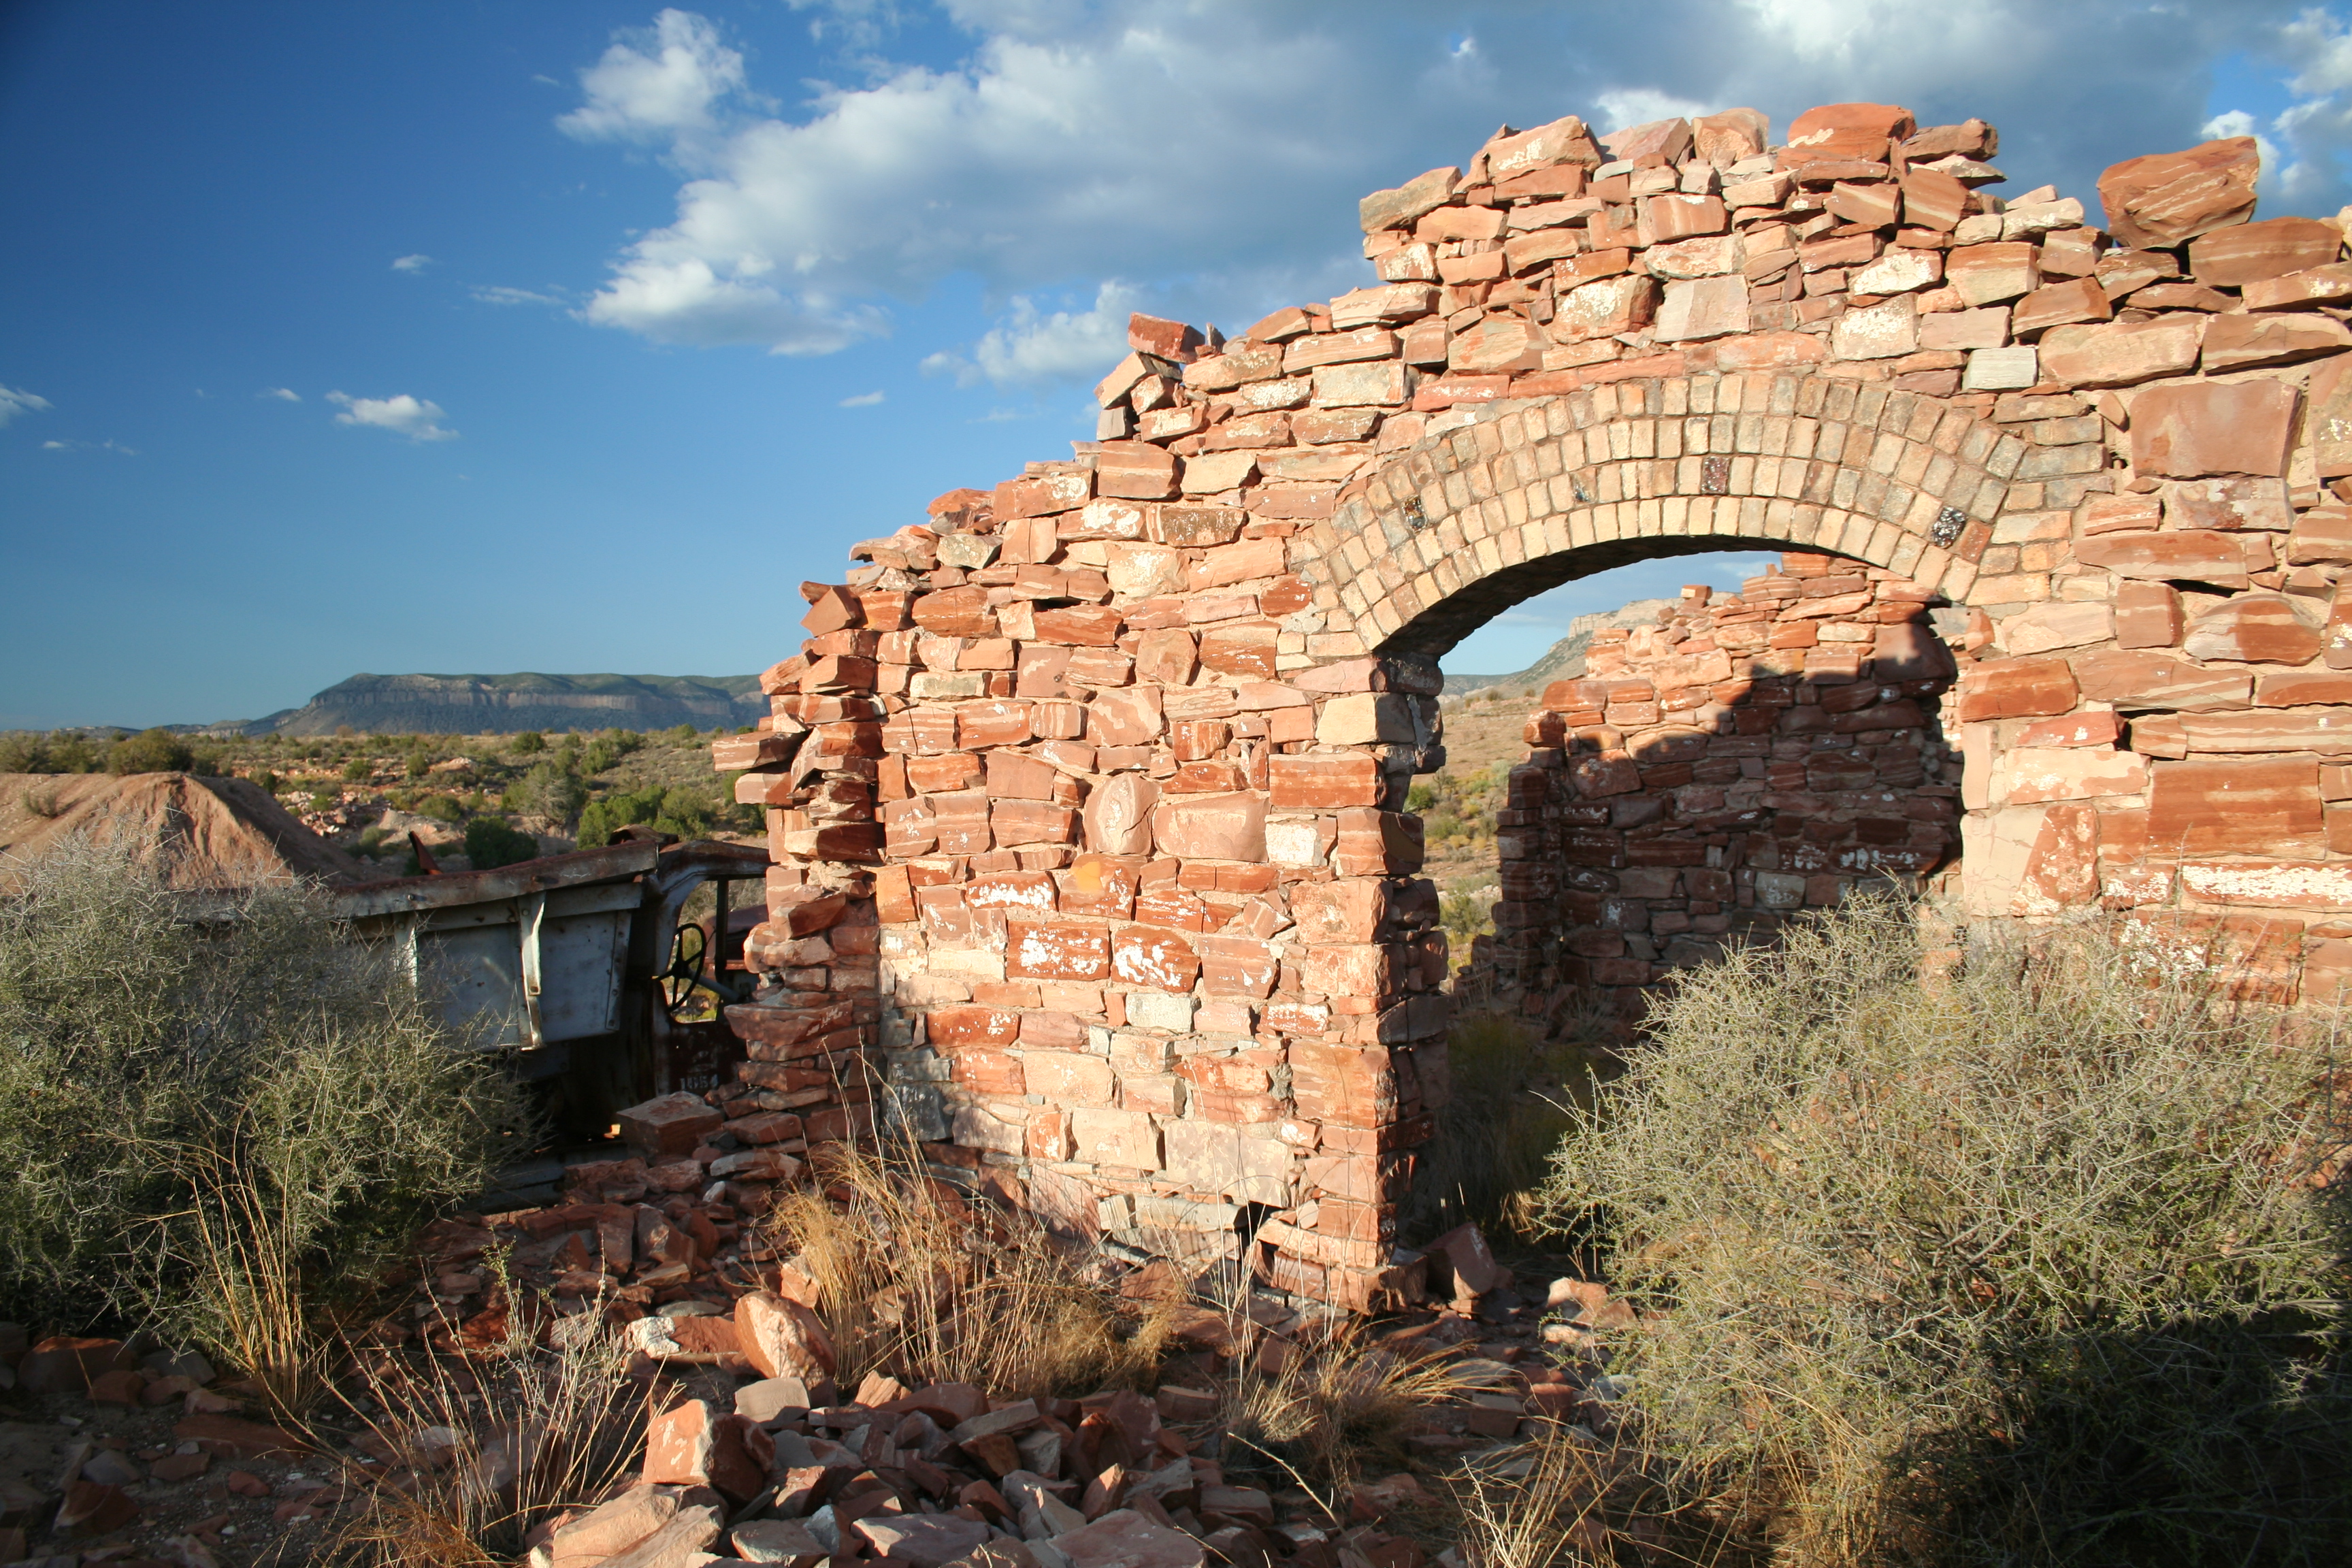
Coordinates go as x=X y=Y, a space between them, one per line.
x=754 y=1448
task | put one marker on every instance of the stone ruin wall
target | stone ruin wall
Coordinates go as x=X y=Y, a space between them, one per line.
x=1750 y=756
x=1085 y=793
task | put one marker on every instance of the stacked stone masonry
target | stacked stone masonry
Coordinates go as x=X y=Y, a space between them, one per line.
x=1087 y=791
x=1750 y=756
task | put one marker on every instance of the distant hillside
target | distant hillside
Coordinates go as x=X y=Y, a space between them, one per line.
x=1565 y=660
x=509 y=704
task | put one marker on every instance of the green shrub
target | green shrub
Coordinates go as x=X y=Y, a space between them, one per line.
x=1496 y=1131
x=71 y=752
x=528 y=741
x=672 y=809
x=550 y=792
x=149 y=752
x=2035 y=1263
x=158 y=1070
x=441 y=808
x=491 y=843
x=25 y=752
x=359 y=770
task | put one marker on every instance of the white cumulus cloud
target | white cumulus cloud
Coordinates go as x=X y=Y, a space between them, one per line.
x=863 y=400
x=283 y=394
x=405 y=415
x=411 y=263
x=14 y=402
x=656 y=82
x=1210 y=153
x=1030 y=344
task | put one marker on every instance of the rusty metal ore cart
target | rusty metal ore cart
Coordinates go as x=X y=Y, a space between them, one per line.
x=579 y=968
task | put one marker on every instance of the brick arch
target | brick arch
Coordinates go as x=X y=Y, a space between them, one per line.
x=1449 y=532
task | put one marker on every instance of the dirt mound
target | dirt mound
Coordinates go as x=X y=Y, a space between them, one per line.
x=207 y=832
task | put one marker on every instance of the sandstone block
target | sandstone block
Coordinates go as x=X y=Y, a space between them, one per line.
x=1126 y=1539
x=1396 y=209
x=2330 y=285
x=1146 y=955
x=2059 y=304
x=2147 y=615
x=2123 y=353
x=2016 y=689
x=1702 y=307
x=2258 y=629
x=1861 y=131
x=1876 y=204
x=2240 y=806
x=1126 y=1139
x=2185 y=431
x=1498 y=344
x=2156 y=681
x=670 y=1125
x=1307 y=783
x=1211 y=827
x=2001 y=370
x=1365 y=718
x=782 y=1338
x=2162 y=199
x=1135 y=469
x=1900 y=272
x=2057 y=625
x=1883 y=330
x=2246 y=253
x=2200 y=555
x=1992 y=274
x=1605 y=308
x=2238 y=342
x=1039 y=951
x=2026 y=774
x=694 y=1445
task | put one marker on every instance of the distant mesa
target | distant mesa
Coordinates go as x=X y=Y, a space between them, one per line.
x=509 y=704
x=1565 y=660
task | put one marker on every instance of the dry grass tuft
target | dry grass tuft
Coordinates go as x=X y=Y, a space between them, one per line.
x=1510 y=1094
x=1537 y=1504
x=1336 y=1411
x=2042 y=1261
x=244 y=1239
x=918 y=1282
x=486 y=1446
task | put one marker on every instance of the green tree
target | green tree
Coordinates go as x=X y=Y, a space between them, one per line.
x=528 y=743
x=491 y=842
x=548 y=791
x=149 y=752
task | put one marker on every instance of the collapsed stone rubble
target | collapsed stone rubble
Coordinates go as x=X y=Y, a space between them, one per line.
x=754 y=1452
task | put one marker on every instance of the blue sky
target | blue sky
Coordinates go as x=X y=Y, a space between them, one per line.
x=508 y=335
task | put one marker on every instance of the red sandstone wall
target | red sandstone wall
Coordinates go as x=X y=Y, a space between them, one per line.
x=1750 y=756
x=1085 y=792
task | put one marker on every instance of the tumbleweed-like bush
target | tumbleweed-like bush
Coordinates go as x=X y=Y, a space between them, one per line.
x=2042 y=1261
x=217 y=1111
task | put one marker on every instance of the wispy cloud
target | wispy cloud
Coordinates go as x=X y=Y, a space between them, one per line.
x=90 y=446
x=863 y=400
x=15 y=401
x=414 y=417
x=411 y=263
x=283 y=394
x=497 y=294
